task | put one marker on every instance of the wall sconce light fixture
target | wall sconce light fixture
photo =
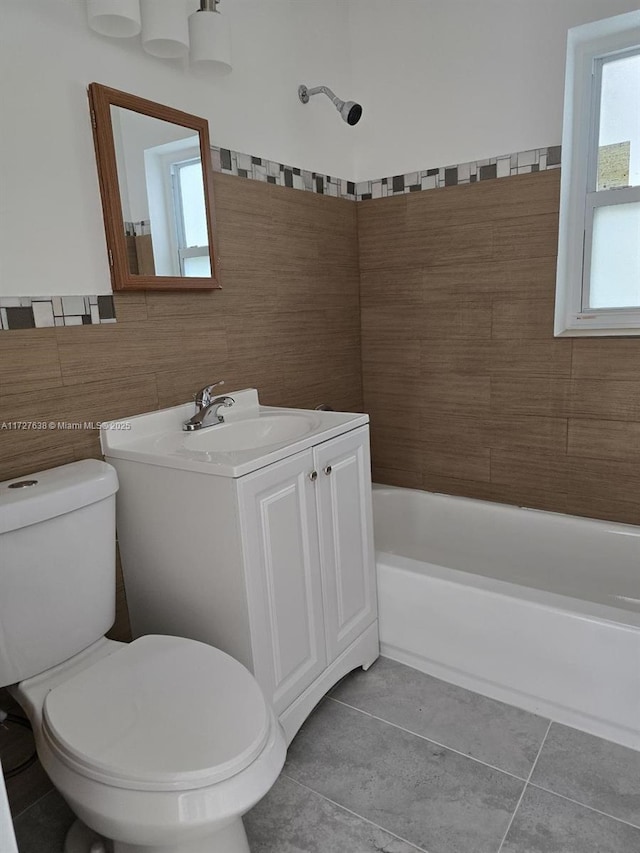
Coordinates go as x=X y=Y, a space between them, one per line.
x=210 y=36
x=115 y=18
x=167 y=31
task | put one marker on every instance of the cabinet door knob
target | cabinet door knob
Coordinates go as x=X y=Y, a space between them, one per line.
x=328 y=469
x=313 y=475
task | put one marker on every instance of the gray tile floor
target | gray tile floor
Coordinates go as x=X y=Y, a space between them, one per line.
x=397 y=761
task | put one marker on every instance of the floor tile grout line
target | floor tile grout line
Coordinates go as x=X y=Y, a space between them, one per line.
x=524 y=788
x=355 y=814
x=527 y=781
x=583 y=805
x=14 y=817
x=435 y=742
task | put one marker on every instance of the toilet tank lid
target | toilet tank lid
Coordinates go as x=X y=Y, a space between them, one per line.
x=55 y=492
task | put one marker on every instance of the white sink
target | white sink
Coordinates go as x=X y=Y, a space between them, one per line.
x=251 y=436
x=250 y=433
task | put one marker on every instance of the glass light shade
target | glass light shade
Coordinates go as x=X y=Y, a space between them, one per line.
x=115 y=18
x=210 y=39
x=165 y=29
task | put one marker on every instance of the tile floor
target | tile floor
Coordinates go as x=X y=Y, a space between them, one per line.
x=399 y=762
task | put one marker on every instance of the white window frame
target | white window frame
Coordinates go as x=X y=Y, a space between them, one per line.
x=588 y=46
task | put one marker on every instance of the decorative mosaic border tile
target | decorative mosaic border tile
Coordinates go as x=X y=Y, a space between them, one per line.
x=269 y=172
x=536 y=160
x=41 y=312
x=24 y=312
x=137 y=229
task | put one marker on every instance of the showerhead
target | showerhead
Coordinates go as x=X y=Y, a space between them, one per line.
x=350 y=111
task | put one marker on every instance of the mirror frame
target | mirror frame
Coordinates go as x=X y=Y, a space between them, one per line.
x=101 y=99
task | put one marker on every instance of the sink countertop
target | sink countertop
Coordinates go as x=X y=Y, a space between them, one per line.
x=157 y=438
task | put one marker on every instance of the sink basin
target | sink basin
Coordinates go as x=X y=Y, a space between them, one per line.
x=251 y=436
x=249 y=433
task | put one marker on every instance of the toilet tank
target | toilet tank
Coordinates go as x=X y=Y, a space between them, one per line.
x=57 y=565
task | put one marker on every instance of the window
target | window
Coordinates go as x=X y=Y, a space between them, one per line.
x=177 y=209
x=191 y=219
x=598 y=281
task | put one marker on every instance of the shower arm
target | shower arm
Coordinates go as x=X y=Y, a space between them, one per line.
x=317 y=90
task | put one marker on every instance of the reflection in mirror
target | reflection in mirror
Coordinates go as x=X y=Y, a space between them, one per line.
x=162 y=196
x=156 y=185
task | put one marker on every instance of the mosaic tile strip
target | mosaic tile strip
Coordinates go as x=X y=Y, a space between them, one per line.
x=269 y=172
x=137 y=229
x=41 y=312
x=536 y=160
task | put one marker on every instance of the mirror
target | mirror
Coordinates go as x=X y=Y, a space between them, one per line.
x=155 y=173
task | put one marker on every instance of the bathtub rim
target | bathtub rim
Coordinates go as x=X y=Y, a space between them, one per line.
x=606 y=612
x=624 y=527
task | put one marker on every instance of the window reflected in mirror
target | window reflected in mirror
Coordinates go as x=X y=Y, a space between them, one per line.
x=162 y=196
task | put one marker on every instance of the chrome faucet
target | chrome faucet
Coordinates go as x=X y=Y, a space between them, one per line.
x=204 y=396
x=208 y=407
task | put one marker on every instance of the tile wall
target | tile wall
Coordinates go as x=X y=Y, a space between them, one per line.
x=468 y=390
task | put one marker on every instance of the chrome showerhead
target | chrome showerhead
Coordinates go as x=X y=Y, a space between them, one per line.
x=350 y=111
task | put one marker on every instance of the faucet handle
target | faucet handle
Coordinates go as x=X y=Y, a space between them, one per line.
x=204 y=396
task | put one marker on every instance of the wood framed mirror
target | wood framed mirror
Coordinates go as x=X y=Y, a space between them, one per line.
x=156 y=183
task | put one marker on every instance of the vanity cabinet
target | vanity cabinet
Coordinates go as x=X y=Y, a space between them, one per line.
x=308 y=549
x=278 y=517
x=275 y=567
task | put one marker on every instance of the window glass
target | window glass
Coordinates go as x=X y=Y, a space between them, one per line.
x=619 y=132
x=193 y=208
x=198 y=266
x=615 y=256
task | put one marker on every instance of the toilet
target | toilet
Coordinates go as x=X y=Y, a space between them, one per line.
x=159 y=745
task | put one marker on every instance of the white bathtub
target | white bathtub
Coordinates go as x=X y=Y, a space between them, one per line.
x=537 y=609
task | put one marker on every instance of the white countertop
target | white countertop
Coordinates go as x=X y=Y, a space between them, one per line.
x=158 y=438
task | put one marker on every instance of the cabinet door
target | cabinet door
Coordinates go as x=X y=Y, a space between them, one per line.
x=345 y=526
x=282 y=567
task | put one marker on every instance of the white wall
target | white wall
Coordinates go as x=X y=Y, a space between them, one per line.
x=449 y=81
x=441 y=82
x=51 y=232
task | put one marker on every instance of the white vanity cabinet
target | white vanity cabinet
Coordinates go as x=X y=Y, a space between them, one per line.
x=278 y=517
x=275 y=566
x=308 y=551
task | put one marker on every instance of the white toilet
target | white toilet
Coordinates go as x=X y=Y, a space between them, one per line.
x=158 y=746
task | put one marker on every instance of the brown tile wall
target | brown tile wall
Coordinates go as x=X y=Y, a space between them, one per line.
x=286 y=322
x=469 y=392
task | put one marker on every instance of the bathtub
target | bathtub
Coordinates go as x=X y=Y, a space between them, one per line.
x=536 y=609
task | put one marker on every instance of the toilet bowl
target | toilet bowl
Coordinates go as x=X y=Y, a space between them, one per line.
x=159 y=745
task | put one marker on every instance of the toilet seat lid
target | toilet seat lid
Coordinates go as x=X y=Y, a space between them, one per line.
x=162 y=713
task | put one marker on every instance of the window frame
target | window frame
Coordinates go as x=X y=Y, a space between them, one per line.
x=588 y=48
